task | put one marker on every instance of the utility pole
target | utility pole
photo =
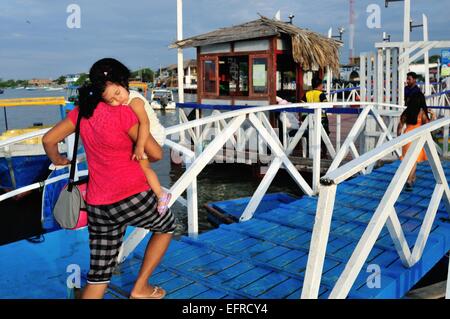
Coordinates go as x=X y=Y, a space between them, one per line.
x=329 y=72
x=352 y=31
x=406 y=38
x=180 y=51
x=426 y=56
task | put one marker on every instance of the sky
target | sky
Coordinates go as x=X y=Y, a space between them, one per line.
x=36 y=42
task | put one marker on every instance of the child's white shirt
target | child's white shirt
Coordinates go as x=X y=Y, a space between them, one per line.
x=156 y=129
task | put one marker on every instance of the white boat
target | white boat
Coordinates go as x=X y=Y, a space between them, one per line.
x=54 y=89
x=162 y=99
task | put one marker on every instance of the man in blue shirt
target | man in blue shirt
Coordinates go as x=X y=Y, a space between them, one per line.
x=411 y=86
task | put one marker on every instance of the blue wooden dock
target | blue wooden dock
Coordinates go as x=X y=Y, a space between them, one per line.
x=262 y=258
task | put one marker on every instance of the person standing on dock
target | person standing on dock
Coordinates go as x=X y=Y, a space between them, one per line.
x=411 y=87
x=111 y=76
x=316 y=95
x=118 y=193
x=414 y=116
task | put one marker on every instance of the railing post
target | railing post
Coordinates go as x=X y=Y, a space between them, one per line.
x=192 y=204
x=310 y=136
x=180 y=121
x=316 y=148
x=338 y=132
x=199 y=142
x=284 y=130
x=319 y=240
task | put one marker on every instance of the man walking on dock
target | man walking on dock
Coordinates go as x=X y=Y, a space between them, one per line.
x=411 y=86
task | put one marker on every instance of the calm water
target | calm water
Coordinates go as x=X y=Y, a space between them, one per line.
x=215 y=183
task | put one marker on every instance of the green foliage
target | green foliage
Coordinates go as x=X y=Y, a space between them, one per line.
x=12 y=83
x=432 y=59
x=144 y=75
x=82 y=79
x=61 y=80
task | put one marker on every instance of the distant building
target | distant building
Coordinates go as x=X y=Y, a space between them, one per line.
x=169 y=75
x=190 y=74
x=349 y=73
x=72 y=78
x=40 y=82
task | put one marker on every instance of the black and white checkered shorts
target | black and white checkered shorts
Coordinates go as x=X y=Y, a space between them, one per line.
x=107 y=225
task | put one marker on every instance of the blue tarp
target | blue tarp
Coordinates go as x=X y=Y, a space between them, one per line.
x=27 y=170
x=50 y=196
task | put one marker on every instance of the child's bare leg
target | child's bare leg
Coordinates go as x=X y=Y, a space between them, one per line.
x=152 y=178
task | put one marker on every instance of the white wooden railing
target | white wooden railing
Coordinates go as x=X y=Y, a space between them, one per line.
x=350 y=94
x=385 y=213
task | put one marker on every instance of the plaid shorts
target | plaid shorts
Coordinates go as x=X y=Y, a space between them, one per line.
x=107 y=225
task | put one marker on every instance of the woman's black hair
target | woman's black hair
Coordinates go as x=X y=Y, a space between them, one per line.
x=414 y=104
x=89 y=96
x=101 y=72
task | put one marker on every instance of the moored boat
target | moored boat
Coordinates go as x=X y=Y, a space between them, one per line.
x=25 y=162
x=162 y=99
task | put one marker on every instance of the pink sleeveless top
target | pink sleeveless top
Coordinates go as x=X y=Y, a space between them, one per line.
x=113 y=176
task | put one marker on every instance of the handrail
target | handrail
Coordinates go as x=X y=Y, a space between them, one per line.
x=312 y=106
x=351 y=168
x=356 y=88
x=39 y=185
x=23 y=137
x=33 y=101
x=437 y=94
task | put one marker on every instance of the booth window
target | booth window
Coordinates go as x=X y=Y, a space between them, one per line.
x=260 y=75
x=209 y=76
x=286 y=78
x=233 y=75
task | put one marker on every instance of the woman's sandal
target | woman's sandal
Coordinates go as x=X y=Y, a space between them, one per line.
x=153 y=295
x=163 y=203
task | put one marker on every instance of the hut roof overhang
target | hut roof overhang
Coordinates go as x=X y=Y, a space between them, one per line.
x=308 y=48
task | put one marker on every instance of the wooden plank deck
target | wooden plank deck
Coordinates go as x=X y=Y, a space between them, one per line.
x=262 y=258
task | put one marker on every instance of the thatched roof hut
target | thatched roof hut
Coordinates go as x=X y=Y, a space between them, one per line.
x=309 y=48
